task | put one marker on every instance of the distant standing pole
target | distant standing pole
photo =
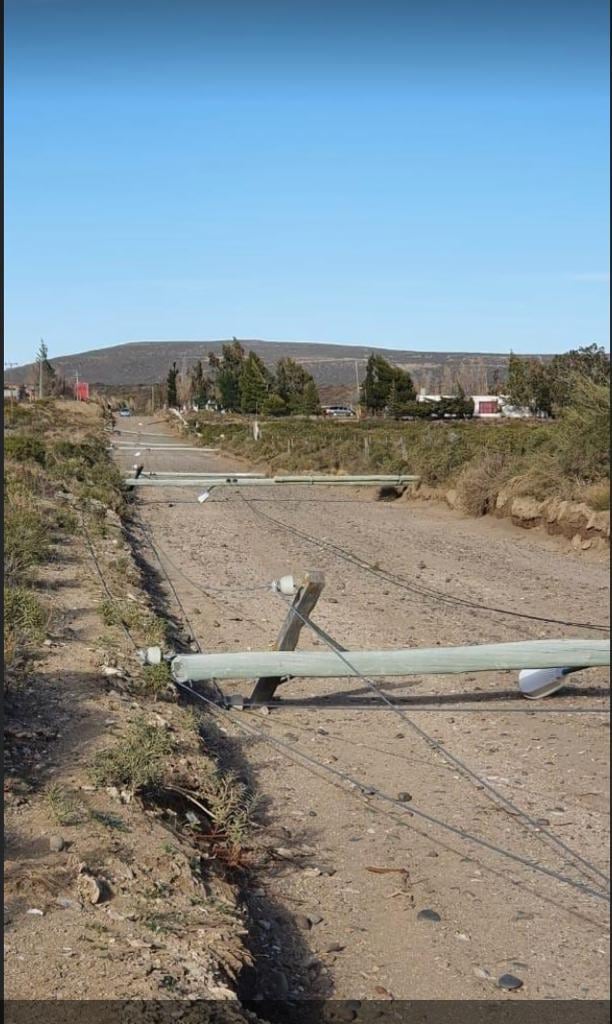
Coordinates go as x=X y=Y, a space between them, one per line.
x=40 y=371
x=357 y=380
x=152 y=398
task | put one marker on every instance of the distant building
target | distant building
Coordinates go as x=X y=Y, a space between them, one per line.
x=487 y=406
x=17 y=393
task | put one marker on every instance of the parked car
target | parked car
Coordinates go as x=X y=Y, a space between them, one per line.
x=339 y=411
x=125 y=412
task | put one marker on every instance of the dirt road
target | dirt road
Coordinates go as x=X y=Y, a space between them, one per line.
x=345 y=917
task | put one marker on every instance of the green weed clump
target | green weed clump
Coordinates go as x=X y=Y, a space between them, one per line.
x=24 y=448
x=152 y=629
x=25 y=623
x=136 y=761
x=65 y=806
x=46 y=449
x=155 y=681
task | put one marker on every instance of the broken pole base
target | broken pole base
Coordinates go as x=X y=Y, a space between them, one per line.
x=301 y=607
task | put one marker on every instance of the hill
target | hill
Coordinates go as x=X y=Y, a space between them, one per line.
x=334 y=367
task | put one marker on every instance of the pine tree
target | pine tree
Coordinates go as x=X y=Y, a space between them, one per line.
x=230 y=368
x=199 y=385
x=311 y=403
x=171 y=388
x=394 y=406
x=380 y=378
x=46 y=375
x=254 y=384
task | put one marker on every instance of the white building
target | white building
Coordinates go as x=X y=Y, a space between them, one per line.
x=486 y=407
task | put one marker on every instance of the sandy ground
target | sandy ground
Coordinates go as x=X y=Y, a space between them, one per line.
x=496 y=916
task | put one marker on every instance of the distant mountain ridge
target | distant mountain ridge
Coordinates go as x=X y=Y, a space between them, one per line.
x=334 y=367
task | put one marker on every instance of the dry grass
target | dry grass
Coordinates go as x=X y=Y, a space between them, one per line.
x=136 y=761
x=150 y=628
x=597 y=496
x=479 y=483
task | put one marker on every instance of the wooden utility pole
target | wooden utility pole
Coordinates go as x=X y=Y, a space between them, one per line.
x=529 y=654
x=41 y=366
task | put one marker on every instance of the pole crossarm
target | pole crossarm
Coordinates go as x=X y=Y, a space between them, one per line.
x=533 y=654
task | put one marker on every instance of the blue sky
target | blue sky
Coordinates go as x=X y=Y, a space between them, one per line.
x=412 y=175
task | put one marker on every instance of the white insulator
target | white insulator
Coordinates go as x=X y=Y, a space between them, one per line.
x=535 y=683
x=285 y=585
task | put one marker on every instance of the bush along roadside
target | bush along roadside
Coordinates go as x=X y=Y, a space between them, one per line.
x=50 y=482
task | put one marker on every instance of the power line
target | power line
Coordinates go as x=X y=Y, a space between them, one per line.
x=367 y=790
x=403 y=584
x=372 y=790
x=444 y=752
x=412 y=810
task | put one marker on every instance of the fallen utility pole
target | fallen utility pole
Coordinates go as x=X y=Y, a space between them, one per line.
x=162 y=474
x=543 y=664
x=207 y=480
x=531 y=654
x=164 y=448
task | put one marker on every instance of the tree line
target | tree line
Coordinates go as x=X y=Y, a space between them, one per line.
x=546 y=389
x=239 y=381
x=388 y=390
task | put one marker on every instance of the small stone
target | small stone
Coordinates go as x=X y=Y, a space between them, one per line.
x=90 y=888
x=400 y=736
x=314 y=919
x=336 y=947
x=302 y=921
x=428 y=915
x=322 y=732
x=404 y=797
x=509 y=982
x=56 y=843
x=481 y=972
x=35 y=912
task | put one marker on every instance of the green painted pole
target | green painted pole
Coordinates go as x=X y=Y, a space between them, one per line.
x=532 y=654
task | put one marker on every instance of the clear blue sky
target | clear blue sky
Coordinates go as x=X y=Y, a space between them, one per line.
x=427 y=175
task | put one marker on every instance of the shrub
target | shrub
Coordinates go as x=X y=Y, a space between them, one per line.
x=156 y=680
x=152 y=628
x=597 y=496
x=24 y=448
x=136 y=761
x=480 y=482
x=25 y=622
x=26 y=540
